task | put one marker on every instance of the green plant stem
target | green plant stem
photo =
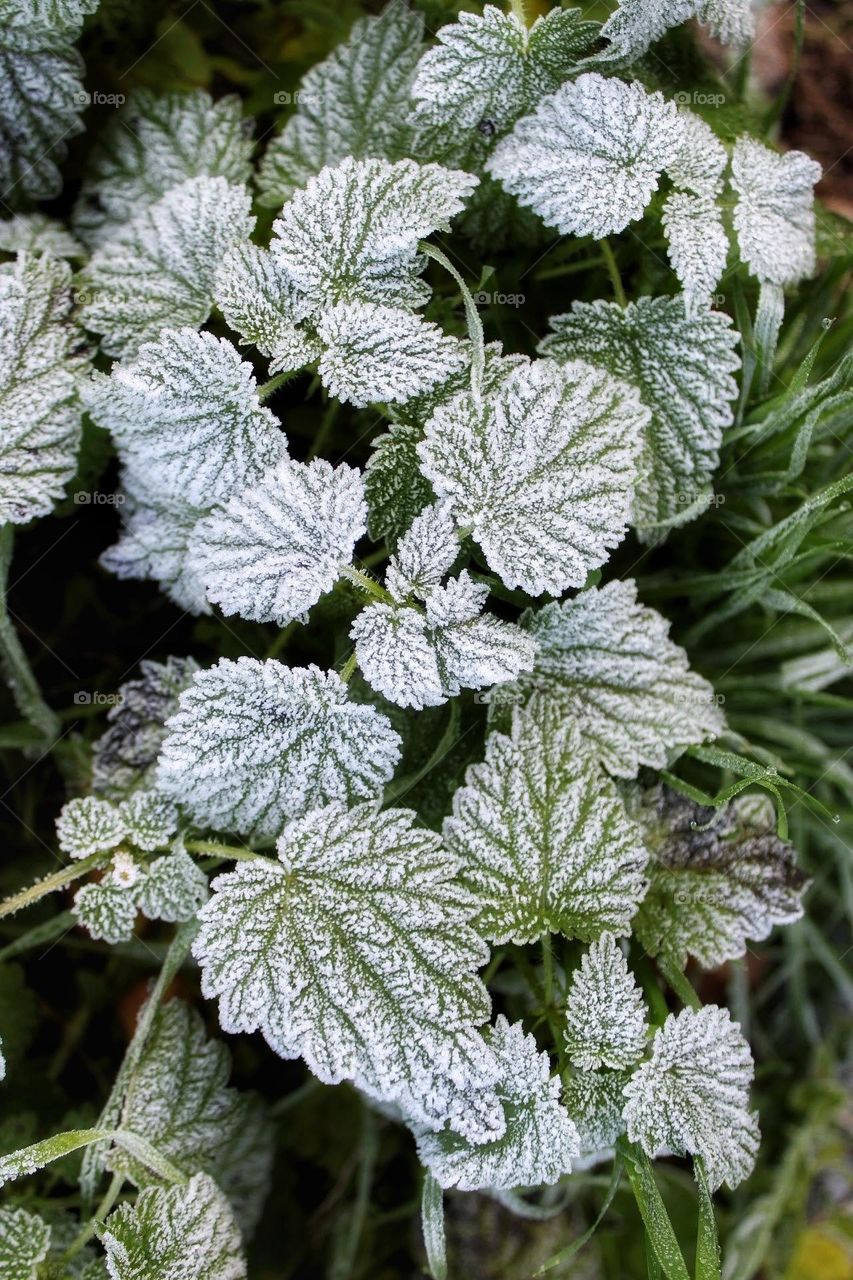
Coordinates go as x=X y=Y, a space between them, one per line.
x=680 y=983
x=519 y=8
x=98 y=1218
x=613 y=272
x=333 y=408
x=475 y=324
x=343 y=1264
x=266 y=389
x=215 y=848
x=14 y=664
x=367 y=584
x=50 y=884
x=348 y=669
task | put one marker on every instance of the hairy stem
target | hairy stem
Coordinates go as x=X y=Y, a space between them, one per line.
x=367 y=584
x=266 y=389
x=14 y=664
x=98 y=1218
x=216 y=848
x=475 y=324
x=50 y=884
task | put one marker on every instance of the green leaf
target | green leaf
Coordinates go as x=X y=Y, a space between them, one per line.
x=395 y=488
x=179 y=1098
x=707 y=1243
x=154 y=1238
x=40 y=377
x=539 y=1141
x=432 y=1226
x=353 y=949
x=717 y=877
x=352 y=104
x=608 y=663
x=606 y=1020
x=24 y=1243
x=682 y=367
x=656 y=1221
x=543 y=839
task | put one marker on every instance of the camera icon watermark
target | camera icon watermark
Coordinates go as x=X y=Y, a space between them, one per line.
x=84 y=98
x=97 y=498
x=483 y=298
x=93 y=698
x=296 y=97
x=697 y=98
x=499 y=697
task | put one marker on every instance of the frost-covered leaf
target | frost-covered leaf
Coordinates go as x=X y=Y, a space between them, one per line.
x=698 y=246
x=258 y=300
x=540 y=1140
x=543 y=838
x=171 y=1233
x=774 y=216
x=156 y=532
x=179 y=1098
x=541 y=471
x=394 y=486
x=378 y=353
x=594 y=1101
x=36 y=233
x=682 y=368
x=89 y=825
x=24 y=1243
x=420 y=659
x=590 y=157
x=354 y=103
x=716 y=878
x=39 y=381
x=154 y=143
x=636 y=24
x=125 y=754
x=701 y=158
x=150 y=819
x=606 y=1020
x=277 y=546
x=158 y=271
x=106 y=910
x=41 y=96
x=607 y=661
x=354 y=951
x=424 y=555
x=174 y=888
x=485 y=71
x=352 y=234
x=186 y=415
x=255 y=743
x=692 y=1096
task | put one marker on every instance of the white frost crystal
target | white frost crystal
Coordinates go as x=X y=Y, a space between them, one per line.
x=540 y=1140
x=174 y=888
x=354 y=103
x=594 y=1101
x=607 y=661
x=692 y=1095
x=636 y=24
x=89 y=825
x=150 y=819
x=107 y=910
x=774 y=216
x=255 y=743
x=698 y=246
x=378 y=353
x=353 y=950
x=36 y=233
x=485 y=71
x=40 y=373
x=41 y=93
x=352 y=234
x=175 y=1232
x=541 y=470
x=682 y=367
x=544 y=843
x=24 y=1243
x=156 y=142
x=179 y=1098
x=433 y=640
x=259 y=301
x=606 y=1020
x=186 y=414
x=716 y=877
x=158 y=271
x=277 y=546
x=590 y=157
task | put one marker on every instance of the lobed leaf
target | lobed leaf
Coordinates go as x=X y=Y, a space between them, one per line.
x=24 y=1244
x=774 y=216
x=606 y=1021
x=637 y=24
